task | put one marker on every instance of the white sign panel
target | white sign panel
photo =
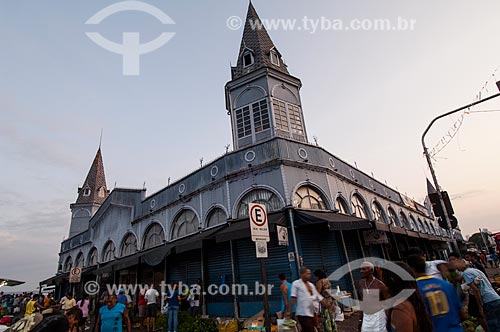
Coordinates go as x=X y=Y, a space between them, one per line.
x=258 y=222
x=75 y=275
x=375 y=237
x=282 y=235
x=261 y=249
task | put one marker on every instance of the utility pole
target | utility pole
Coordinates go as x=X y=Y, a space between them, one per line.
x=431 y=167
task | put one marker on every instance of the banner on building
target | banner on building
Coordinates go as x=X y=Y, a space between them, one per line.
x=375 y=237
x=282 y=235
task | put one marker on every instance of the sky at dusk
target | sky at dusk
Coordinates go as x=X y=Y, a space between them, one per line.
x=367 y=97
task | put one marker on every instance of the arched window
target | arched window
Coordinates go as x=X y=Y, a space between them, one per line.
x=341 y=205
x=68 y=264
x=108 y=253
x=92 y=259
x=413 y=224
x=216 y=217
x=306 y=197
x=129 y=245
x=424 y=228
x=359 y=207
x=186 y=223
x=154 y=236
x=79 y=260
x=427 y=227
x=432 y=229
x=393 y=217
x=404 y=220
x=378 y=213
x=260 y=196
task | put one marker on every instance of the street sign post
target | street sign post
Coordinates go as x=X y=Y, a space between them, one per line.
x=259 y=229
x=258 y=222
x=75 y=275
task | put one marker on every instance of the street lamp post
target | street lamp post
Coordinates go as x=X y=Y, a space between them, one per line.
x=431 y=167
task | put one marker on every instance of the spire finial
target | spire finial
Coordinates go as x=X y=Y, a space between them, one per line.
x=100 y=138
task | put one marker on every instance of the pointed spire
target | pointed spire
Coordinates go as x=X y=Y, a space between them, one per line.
x=256 y=41
x=94 y=189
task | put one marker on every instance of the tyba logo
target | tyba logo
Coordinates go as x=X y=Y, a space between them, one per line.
x=131 y=49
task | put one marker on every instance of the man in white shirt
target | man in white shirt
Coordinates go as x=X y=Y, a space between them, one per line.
x=306 y=296
x=435 y=268
x=151 y=297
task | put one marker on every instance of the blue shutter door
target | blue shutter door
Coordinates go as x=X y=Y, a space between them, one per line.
x=322 y=249
x=185 y=267
x=218 y=260
x=248 y=267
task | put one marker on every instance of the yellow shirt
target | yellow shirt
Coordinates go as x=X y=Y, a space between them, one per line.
x=68 y=304
x=30 y=308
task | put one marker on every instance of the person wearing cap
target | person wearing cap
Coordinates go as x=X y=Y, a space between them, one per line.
x=372 y=292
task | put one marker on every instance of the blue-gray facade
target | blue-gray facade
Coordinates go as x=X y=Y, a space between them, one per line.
x=175 y=234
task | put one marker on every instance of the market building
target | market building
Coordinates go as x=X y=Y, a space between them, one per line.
x=198 y=226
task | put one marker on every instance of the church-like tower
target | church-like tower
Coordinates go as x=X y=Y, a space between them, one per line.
x=262 y=97
x=90 y=197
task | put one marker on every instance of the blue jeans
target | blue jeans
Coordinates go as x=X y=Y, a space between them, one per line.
x=172 y=319
x=492 y=312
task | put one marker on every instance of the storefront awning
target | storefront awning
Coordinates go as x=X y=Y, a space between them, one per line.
x=195 y=241
x=413 y=234
x=155 y=256
x=335 y=221
x=380 y=226
x=55 y=279
x=240 y=229
x=398 y=230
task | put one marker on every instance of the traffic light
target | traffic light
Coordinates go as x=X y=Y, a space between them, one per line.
x=438 y=210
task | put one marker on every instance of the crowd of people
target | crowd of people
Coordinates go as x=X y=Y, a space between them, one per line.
x=443 y=295
x=418 y=295
x=113 y=312
x=38 y=313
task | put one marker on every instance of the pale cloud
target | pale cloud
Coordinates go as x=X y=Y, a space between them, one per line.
x=6 y=239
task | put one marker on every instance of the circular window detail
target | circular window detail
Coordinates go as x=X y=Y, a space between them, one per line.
x=332 y=162
x=152 y=204
x=182 y=188
x=250 y=156
x=302 y=153
x=214 y=171
x=352 y=173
